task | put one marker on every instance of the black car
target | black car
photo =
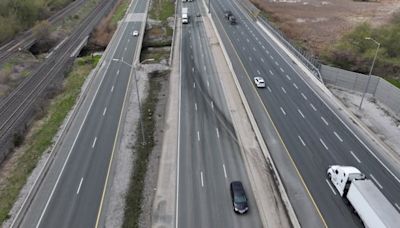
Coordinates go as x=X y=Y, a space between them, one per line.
x=239 y=198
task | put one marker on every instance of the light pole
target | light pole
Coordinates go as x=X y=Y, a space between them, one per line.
x=138 y=98
x=370 y=70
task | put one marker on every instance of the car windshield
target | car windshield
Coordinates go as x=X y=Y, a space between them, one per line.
x=240 y=199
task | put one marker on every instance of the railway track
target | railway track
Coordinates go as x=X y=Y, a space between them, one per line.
x=18 y=108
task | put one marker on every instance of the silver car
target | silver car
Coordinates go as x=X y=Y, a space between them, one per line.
x=259 y=81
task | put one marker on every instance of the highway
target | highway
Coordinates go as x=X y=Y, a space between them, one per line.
x=313 y=135
x=209 y=156
x=72 y=194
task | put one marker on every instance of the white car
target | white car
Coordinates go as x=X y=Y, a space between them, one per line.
x=135 y=33
x=259 y=81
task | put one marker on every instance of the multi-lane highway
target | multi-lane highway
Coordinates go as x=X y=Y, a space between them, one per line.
x=209 y=157
x=72 y=194
x=312 y=133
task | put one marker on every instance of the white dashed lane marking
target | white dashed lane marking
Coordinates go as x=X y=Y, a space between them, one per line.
x=338 y=136
x=376 y=181
x=355 y=157
x=283 y=111
x=326 y=122
x=301 y=140
x=323 y=143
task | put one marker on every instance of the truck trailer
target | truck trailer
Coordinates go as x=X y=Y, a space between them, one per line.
x=366 y=199
x=185 y=15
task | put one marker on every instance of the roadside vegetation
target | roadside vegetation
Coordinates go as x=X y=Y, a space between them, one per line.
x=18 y=15
x=355 y=53
x=158 y=36
x=40 y=137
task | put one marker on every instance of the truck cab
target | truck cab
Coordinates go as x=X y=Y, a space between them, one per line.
x=342 y=176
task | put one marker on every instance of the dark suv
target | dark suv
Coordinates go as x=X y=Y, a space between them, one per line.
x=239 y=198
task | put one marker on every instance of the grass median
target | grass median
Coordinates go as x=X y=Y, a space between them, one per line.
x=42 y=133
x=142 y=150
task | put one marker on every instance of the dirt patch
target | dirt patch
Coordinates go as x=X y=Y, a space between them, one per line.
x=317 y=24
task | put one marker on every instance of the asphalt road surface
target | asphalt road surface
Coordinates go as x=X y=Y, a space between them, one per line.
x=313 y=135
x=71 y=194
x=209 y=156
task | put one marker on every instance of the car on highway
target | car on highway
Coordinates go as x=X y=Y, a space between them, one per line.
x=135 y=33
x=239 y=199
x=259 y=81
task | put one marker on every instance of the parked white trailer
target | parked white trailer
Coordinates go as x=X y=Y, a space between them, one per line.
x=366 y=199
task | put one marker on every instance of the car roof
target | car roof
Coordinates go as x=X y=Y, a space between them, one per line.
x=237 y=185
x=259 y=78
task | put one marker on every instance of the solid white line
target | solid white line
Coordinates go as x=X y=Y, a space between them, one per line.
x=262 y=60
x=304 y=96
x=202 y=180
x=283 y=111
x=79 y=187
x=194 y=84
x=376 y=181
x=258 y=72
x=330 y=186
x=269 y=89
x=312 y=106
x=326 y=122
x=112 y=89
x=295 y=86
x=288 y=77
x=94 y=142
x=302 y=142
x=198 y=136
x=226 y=176
x=281 y=69
x=105 y=110
x=283 y=89
x=323 y=143
x=302 y=115
x=338 y=136
x=212 y=104
x=217 y=132
x=271 y=72
x=396 y=205
x=355 y=157
x=195 y=106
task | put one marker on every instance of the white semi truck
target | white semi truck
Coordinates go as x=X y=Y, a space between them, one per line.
x=367 y=201
x=185 y=15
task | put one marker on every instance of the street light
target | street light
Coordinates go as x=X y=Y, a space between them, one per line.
x=138 y=98
x=370 y=70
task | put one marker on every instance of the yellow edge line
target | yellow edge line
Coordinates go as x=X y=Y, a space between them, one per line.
x=280 y=138
x=112 y=156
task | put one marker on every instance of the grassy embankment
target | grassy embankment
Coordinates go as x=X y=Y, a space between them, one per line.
x=355 y=53
x=18 y=15
x=42 y=133
x=161 y=10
